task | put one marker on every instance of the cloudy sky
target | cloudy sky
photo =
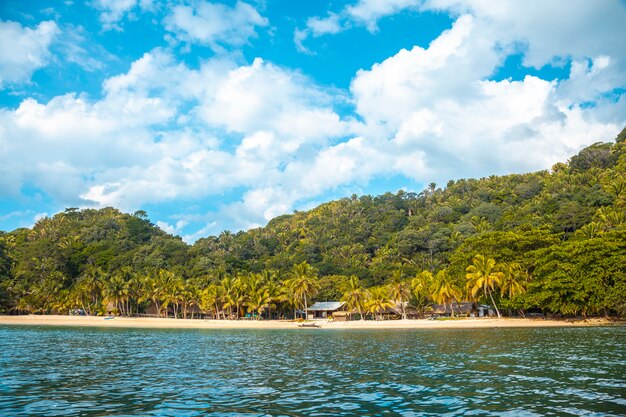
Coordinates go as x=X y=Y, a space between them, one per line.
x=215 y=115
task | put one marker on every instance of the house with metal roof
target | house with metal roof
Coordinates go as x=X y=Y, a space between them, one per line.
x=324 y=310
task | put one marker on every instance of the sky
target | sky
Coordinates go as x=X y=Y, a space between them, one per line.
x=221 y=115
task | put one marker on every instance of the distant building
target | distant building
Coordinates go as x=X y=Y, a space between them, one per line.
x=324 y=310
x=463 y=309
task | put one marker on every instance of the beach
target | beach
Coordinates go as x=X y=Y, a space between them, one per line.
x=170 y=323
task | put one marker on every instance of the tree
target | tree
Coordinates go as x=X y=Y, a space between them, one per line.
x=483 y=277
x=212 y=299
x=379 y=301
x=116 y=291
x=303 y=282
x=514 y=279
x=444 y=290
x=400 y=292
x=89 y=288
x=420 y=294
x=355 y=296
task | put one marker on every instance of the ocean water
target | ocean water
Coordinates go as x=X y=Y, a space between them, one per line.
x=309 y=372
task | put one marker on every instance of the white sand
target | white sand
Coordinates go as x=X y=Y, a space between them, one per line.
x=55 y=320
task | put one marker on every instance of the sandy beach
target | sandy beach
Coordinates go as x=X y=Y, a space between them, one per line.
x=169 y=323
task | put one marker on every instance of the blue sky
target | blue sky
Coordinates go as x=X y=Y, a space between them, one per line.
x=220 y=115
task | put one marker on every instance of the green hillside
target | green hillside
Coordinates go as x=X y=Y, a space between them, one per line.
x=551 y=241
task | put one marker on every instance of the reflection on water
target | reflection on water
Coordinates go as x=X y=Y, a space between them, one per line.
x=527 y=372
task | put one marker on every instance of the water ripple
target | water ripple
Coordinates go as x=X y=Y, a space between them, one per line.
x=499 y=372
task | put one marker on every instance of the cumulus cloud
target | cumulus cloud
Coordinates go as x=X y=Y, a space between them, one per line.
x=550 y=31
x=264 y=97
x=152 y=137
x=446 y=119
x=23 y=50
x=163 y=131
x=114 y=11
x=363 y=13
x=214 y=24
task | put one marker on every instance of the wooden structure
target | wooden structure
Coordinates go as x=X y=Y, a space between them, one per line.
x=463 y=309
x=324 y=310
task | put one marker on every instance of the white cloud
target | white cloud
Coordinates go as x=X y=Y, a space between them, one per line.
x=215 y=24
x=152 y=137
x=446 y=119
x=324 y=26
x=173 y=229
x=368 y=12
x=264 y=97
x=363 y=13
x=163 y=131
x=551 y=31
x=24 y=50
x=113 y=11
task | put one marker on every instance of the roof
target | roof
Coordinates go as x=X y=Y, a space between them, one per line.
x=326 y=306
x=464 y=307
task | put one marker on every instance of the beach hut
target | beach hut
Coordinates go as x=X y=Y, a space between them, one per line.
x=324 y=310
x=485 y=310
x=342 y=316
x=463 y=309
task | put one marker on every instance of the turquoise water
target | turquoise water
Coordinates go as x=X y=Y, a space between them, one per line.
x=526 y=372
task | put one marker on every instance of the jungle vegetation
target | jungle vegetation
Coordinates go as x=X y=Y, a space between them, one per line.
x=550 y=241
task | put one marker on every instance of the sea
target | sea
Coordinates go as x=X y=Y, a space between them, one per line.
x=64 y=371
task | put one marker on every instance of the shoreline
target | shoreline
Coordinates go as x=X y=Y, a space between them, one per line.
x=170 y=323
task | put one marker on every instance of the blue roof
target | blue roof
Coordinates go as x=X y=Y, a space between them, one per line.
x=326 y=306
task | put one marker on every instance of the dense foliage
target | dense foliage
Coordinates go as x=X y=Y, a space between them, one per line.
x=551 y=241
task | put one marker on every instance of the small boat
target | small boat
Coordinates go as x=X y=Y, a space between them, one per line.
x=309 y=325
x=109 y=318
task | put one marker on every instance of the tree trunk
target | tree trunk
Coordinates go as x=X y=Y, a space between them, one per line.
x=306 y=308
x=494 y=304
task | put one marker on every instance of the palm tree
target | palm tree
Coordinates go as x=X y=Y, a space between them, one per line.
x=174 y=293
x=189 y=297
x=274 y=294
x=420 y=294
x=303 y=283
x=379 y=301
x=354 y=295
x=127 y=275
x=212 y=299
x=116 y=291
x=90 y=285
x=444 y=290
x=514 y=280
x=483 y=276
x=228 y=292
x=239 y=293
x=152 y=288
x=258 y=301
x=400 y=291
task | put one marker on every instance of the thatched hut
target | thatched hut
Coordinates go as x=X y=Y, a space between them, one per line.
x=463 y=309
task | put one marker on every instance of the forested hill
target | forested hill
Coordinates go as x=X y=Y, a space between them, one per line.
x=563 y=230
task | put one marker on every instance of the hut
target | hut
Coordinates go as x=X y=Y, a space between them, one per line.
x=463 y=309
x=324 y=310
x=342 y=316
